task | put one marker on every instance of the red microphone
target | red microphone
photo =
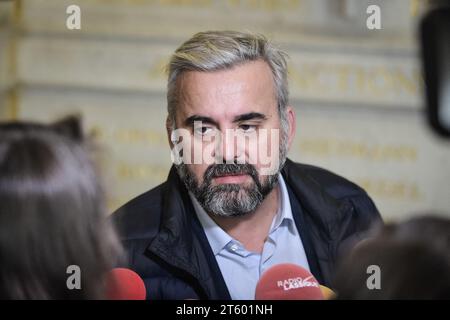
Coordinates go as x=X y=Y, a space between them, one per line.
x=124 y=284
x=288 y=281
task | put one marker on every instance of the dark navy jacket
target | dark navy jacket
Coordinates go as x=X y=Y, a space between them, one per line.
x=168 y=248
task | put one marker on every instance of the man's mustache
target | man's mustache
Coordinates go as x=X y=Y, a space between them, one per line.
x=218 y=170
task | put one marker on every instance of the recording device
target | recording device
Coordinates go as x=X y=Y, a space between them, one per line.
x=288 y=281
x=435 y=42
x=124 y=284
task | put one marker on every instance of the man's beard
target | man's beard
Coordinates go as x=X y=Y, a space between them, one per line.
x=231 y=200
x=228 y=200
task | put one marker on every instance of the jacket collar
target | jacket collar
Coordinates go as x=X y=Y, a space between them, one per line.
x=181 y=243
x=325 y=210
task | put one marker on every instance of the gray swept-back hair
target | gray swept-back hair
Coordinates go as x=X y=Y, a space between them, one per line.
x=219 y=50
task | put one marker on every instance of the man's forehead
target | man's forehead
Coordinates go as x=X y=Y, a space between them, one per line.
x=201 y=87
x=250 y=75
x=243 y=89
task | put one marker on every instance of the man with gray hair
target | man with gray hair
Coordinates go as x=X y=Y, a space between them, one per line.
x=233 y=204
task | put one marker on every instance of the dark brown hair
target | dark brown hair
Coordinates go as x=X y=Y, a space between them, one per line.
x=51 y=213
x=413 y=258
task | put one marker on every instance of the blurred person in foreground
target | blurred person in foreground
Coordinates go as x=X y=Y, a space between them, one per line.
x=413 y=260
x=52 y=214
x=226 y=212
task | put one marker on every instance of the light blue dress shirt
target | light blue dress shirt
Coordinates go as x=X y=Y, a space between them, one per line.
x=241 y=268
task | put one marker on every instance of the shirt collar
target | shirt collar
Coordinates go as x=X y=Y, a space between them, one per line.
x=217 y=237
x=284 y=212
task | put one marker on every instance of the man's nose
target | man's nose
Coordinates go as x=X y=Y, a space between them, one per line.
x=230 y=149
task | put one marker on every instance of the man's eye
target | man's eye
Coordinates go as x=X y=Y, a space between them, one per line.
x=203 y=131
x=246 y=128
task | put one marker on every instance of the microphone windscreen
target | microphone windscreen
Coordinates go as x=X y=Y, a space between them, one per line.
x=124 y=284
x=288 y=282
x=328 y=294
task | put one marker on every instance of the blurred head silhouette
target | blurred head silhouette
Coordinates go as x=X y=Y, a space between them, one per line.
x=413 y=258
x=51 y=213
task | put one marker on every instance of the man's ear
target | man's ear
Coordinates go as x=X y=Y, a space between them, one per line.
x=69 y=127
x=292 y=121
x=169 y=129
